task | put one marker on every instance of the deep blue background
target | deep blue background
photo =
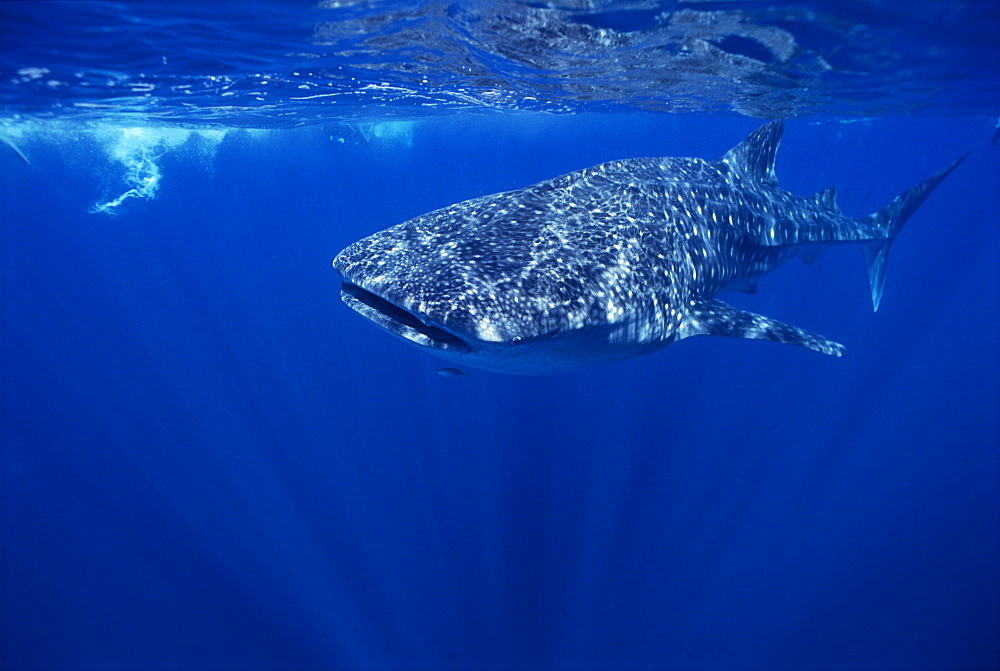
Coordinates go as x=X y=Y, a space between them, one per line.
x=209 y=461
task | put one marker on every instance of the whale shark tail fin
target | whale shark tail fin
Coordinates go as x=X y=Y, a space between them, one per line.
x=888 y=221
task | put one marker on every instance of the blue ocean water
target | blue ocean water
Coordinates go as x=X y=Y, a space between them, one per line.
x=210 y=462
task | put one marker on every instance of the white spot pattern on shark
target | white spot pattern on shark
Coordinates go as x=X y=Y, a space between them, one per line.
x=610 y=262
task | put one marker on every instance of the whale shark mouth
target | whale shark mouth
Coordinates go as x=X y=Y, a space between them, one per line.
x=400 y=321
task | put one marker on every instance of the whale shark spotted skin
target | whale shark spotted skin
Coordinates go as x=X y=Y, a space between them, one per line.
x=607 y=263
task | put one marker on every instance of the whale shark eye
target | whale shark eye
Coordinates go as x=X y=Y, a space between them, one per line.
x=515 y=340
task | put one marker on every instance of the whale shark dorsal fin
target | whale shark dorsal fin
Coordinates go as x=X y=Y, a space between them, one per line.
x=827 y=199
x=713 y=317
x=754 y=157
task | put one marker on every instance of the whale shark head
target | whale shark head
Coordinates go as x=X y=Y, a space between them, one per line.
x=497 y=283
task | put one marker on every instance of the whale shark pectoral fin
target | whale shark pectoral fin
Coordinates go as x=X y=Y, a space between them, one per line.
x=713 y=317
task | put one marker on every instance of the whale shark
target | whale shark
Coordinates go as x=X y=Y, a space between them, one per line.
x=607 y=263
